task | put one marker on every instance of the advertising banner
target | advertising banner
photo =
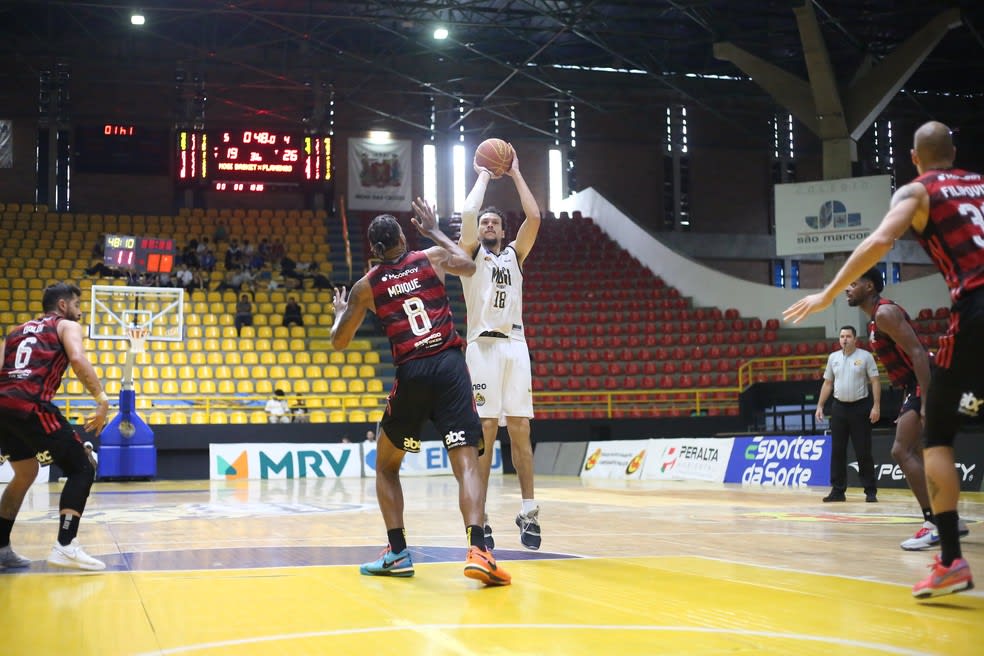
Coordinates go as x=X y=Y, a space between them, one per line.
x=827 y=216
x=379 y=175
x=693 y=458
x=272 y=461
x=432 y=460
x=784 y=461
x=615 y=459
x=968 y=452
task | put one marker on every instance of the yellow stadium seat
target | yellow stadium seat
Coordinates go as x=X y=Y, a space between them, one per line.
x=189 y=387
x=197 y=357
x=281 y=332
x=338 y=387
x=223 y=371
x=169 y=387
x=301 y=386
x=331 y=371
x=230 y=344
x=144 y=403
x=245 y=344
x=319 y=417
x=157 y=418
x=375 y=416
x=265 y=332
x=320 y=386
x=371 y=357
x=178 y=418
x=212 y=344
x=189 y=345
x=230 y=331
x=285 y=357
x=244 y=387
x=258 y=417
x=320 y=357
x=227 y=387
x=240 y=372
x=357 y=417
x=263 y=344
x=169 y=372
x=264 y=387
x=193 y=331
x=199 y=417
x=357 y=386
x=367 y=371
x=251 y=357
x=112 y=387
x=312 y=371
x=210 y=319
x=353 y=357
x=259 y=372
x=349 y=371
x=233 y=357
x=277 y=371
x=279 y=344
x=296 y=345
x=303 y=357
x=284 y=384
x=295 y=371
x=268 y=358
x=162 y=357
x=151 y=387
x=336 y=417
x=179 y=358
x=214 y=358
x=218 y=417
x=207 y=387
x=336 y=357
x=75 y=386
x=227 y=320
x=238 y=417
x=210 y=332
x=186 y=373
x=375 y=386
x=203 y=372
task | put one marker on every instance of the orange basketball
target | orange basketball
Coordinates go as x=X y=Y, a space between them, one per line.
x=495 y=155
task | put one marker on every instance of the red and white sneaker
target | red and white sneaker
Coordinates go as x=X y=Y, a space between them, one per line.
x=944 y=580
x=927 y=536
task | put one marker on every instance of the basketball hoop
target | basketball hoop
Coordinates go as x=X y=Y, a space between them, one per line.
x=138 y=338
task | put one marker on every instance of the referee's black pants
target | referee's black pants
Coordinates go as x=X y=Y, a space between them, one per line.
x=851 y=420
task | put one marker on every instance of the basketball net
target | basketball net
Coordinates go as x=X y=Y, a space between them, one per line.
x=138 y=338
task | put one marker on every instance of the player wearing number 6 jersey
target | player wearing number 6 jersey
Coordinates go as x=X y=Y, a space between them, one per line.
x=944 y=206
x=406 y=291
x=498 y=357
x=32 y=430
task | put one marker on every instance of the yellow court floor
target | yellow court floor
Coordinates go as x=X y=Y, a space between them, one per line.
x=271 y=567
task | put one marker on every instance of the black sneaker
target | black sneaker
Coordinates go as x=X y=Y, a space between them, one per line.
x=529 y=528
x=871 y=497
x=489 y=540
x=834 y=496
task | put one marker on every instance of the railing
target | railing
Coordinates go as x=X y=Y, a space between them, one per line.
x=779 y=368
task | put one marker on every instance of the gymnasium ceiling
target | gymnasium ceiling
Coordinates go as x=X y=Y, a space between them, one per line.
x=281 y=59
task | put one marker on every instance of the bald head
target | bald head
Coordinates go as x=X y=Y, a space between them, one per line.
x=933 y=146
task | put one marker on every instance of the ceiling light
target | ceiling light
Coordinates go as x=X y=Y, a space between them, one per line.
x=137 y=19
x=440 y=33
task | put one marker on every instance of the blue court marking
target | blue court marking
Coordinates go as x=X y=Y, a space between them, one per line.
x=260 y=557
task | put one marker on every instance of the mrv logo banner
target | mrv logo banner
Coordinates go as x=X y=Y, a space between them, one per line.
x=266 y=461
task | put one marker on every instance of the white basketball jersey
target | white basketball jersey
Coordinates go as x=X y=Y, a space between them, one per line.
x=494 y=294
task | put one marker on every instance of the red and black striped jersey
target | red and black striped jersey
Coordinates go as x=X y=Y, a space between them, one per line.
x=954 y=233
x=412 y=304
x=33 y=364
x=893 y=357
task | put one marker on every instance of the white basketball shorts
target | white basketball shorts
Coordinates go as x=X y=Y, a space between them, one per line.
x=502 y=380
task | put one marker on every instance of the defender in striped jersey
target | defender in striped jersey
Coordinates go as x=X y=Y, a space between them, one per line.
x=944 y=207
x=406 y=291
x=895 y=343
x=33 y=430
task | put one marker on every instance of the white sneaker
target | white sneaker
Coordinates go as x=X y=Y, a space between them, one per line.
x=928 y=536
x=73 y=556
x=9 y=558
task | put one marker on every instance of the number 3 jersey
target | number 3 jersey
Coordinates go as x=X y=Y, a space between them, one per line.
x=494 y=294
x=412 y=304
x=34 y=362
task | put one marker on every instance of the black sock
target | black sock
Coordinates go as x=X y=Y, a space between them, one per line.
x=397 y=539
x=68 y=528
x=476 y=537
x=928 y=515
x=946 y=524
x=5 y=526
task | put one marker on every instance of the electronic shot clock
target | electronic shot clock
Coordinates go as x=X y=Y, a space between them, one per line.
x=139 y=254
x=250 y=160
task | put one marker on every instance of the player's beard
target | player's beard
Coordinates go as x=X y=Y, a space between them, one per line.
x=491 y=243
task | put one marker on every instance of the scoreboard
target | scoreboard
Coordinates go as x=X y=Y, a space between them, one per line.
x=252 y=160
x=139 y=254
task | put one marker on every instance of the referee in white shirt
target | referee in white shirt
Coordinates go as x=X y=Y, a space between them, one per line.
x=848 y=375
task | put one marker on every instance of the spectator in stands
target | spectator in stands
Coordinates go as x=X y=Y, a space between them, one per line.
x=277 y=251
x=100 y=270
x=207 y=261
x=221 y=233
x=293 y=312
x=203 y=246
x=184 y=277
x=300 y=413
x=244 y=313
x=406 y=290
x=498 y=357
x=851 y=372
x=370 y=438
x=233 y=255
x=288 y=269
x=264 y=250
x=278 y=411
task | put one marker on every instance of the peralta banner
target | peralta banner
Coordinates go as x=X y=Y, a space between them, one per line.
x=379 y=175
x=828 y=216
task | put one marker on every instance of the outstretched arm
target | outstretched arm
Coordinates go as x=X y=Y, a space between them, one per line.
x=469 y=213
x=526 y=236
x=447 y=255
x=909 y=207
x=350 y=310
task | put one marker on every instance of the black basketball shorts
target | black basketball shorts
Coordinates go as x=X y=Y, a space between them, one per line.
x=23 y=437
x=436 y=388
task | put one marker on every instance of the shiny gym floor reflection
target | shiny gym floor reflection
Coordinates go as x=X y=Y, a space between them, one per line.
x=626 y=567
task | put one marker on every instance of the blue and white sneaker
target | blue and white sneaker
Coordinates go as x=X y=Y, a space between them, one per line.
x=927 y=536
x=9 y=559
x=529 y=528
x=389 y=564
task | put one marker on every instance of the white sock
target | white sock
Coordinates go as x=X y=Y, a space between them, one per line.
x=528 y=505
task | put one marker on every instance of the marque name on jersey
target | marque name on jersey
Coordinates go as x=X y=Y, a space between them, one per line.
x=501 y=276
x=400 y=274
x=970 y=191
x=403 y=287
